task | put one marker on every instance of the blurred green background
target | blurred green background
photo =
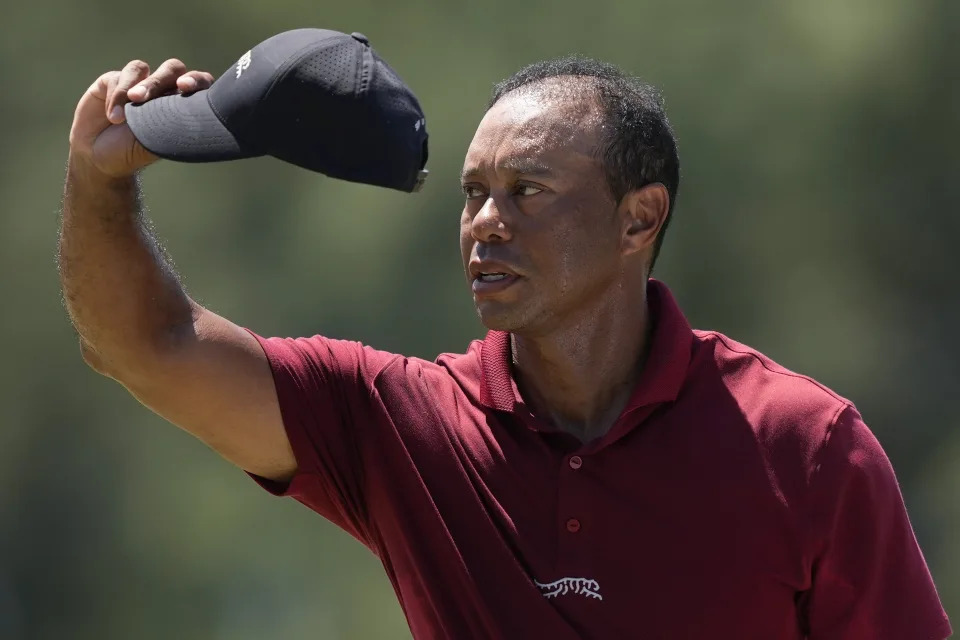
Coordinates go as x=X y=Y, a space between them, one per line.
x=817 y=218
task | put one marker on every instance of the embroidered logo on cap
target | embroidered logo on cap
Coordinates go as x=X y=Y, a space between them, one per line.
x=243 y=63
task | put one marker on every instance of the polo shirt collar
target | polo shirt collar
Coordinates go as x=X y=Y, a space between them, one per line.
x=662 y=377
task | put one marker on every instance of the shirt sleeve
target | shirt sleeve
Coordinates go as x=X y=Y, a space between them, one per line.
x=324 y=388
x=870 y=580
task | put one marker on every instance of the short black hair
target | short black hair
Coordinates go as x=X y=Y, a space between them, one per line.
x=638 y=146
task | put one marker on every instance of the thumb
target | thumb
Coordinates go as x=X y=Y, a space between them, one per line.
x=116 y=151
x=140 y=157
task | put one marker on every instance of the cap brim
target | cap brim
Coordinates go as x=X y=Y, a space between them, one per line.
x=184 y=129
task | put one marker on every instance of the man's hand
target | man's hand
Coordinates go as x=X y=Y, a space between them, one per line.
x=100 y=136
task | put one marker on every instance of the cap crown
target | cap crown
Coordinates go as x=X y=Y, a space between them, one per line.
x=325 y=101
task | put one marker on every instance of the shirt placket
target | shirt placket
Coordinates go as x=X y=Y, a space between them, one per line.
x=574 y=522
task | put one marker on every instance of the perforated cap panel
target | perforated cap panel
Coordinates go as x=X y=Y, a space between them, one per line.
x=334 y=67
x=351 y=117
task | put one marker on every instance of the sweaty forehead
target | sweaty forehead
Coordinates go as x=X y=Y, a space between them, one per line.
x=531 y=123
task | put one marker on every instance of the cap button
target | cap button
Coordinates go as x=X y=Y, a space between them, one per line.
x=359 y=37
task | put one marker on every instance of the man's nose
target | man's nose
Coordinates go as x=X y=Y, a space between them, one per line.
x=489 y=224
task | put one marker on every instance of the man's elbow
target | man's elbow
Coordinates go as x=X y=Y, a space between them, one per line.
x=123 y=364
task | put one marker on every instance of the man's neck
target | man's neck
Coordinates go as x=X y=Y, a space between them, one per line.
x=581 y=375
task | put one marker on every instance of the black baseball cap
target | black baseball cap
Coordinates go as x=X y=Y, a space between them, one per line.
x=319 y=99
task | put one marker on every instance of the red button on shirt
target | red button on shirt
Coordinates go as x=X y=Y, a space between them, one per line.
x=573 y=525
x=576 y=462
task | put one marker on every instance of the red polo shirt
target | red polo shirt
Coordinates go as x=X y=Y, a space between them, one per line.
x=731 y=499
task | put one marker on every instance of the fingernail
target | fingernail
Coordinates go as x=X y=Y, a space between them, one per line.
x=116 y=113
x=137 y=93
x=189 y=84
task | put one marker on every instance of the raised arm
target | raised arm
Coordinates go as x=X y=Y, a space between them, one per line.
x=135 y=321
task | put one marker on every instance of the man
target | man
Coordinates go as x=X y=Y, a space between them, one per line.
x=593 y=468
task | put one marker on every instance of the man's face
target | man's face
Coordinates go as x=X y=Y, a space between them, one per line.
x=540 y=232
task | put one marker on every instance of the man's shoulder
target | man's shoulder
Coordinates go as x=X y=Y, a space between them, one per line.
x=757 y=407
x=444 y=363
x=469 y=358
x=463 y=369
x=772 y=397
x=449 y=371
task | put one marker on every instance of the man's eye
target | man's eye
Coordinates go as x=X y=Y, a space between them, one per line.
x=472 y=191
x=527 y=190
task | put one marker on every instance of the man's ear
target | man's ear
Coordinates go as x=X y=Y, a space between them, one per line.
x=644 y=212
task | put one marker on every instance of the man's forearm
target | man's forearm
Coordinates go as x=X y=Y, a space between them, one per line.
x=121 y=291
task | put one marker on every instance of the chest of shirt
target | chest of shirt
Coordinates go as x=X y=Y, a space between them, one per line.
x=680 y=511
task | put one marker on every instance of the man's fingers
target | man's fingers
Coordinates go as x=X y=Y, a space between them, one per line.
x=135 y=83
x=110 y=88
x=91 y=109
x=161 y=82
x=194 y=81
x=101 y=87
x=132 y=73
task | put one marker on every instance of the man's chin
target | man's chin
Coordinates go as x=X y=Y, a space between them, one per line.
x=499 y=317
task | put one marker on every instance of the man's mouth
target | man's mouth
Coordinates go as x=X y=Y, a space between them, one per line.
x=492 y=277
x=491 y=283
